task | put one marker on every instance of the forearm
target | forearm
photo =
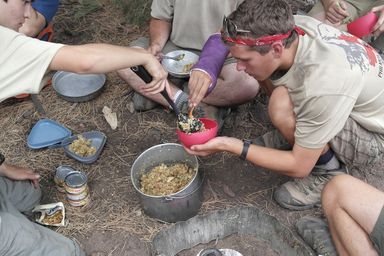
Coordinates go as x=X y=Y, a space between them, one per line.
x=159 y=31
x=284 y=162
x=98 y=58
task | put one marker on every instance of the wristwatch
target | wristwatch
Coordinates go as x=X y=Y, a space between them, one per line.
x=244 y=152
x=2 y=159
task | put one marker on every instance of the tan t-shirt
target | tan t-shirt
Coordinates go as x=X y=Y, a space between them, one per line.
x=193 y=21
x=334 y=76
x=23 y=63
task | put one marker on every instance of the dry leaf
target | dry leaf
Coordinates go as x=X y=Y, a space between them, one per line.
x=110 y=116
x=228 y=191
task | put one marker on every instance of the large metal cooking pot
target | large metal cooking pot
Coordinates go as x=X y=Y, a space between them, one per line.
x=174 y=207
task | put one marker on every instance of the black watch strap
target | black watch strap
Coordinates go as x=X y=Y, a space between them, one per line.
x=2 y=158
x=244 y=152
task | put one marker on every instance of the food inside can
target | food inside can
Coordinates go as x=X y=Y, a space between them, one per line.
x=60 y=175
x=166 y=179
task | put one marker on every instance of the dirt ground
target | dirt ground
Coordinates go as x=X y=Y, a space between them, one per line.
x=113 y=223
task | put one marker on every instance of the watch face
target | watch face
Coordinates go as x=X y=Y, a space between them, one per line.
x=2 y=158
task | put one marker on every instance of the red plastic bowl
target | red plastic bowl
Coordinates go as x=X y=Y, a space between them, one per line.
x=362 y=26
x=190 y=139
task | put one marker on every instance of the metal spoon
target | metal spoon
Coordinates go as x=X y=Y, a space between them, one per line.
x=176 y=58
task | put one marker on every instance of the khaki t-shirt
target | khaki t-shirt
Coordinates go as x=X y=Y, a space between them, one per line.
x=193 y=21
x=334 y=76
x=23 y=63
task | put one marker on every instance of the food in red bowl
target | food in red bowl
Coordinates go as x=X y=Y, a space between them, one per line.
x=200 y=137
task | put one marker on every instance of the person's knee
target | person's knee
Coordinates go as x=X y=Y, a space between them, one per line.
x=333 y=192
x=280 y=108
x=30 y=198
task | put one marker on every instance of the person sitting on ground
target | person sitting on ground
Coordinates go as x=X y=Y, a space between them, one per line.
x=326 y=98
x=186 y=25
x=24 y=62
x=38 y=25
x=338 y=13
x=355 y=214
x=42 y=13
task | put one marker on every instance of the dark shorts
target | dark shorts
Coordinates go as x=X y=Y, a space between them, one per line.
x=377 y=235
x=356 y=146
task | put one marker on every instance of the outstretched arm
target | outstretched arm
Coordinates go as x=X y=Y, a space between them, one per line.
x=295 y=163
x=103 y=58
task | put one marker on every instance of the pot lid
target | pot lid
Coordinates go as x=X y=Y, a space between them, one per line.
x=68 y=84
x=46 y=133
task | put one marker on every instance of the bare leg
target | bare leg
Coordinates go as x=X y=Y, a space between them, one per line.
x=352 y=208
x=135 y=82
x=280 y=110
x=233 y=88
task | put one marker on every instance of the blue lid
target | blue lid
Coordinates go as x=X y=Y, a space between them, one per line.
x=46 y=133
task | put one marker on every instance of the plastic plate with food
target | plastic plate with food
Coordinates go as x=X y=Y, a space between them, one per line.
x=85 y=147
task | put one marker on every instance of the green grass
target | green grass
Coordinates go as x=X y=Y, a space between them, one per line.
x=137 y=12
x=87 y=7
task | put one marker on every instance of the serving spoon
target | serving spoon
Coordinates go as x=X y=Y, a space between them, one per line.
x=147 y=78
x=176 y=58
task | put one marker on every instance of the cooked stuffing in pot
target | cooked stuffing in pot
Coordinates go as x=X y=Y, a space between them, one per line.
x=165 y=179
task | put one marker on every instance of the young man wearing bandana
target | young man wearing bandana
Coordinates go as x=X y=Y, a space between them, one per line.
x=326 y=98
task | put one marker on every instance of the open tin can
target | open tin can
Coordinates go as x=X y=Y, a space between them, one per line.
x=61 y=173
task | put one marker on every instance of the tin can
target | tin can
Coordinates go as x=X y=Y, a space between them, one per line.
x=79 y=196
x=60 y=175
x=81 y=202
x=76 y=188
